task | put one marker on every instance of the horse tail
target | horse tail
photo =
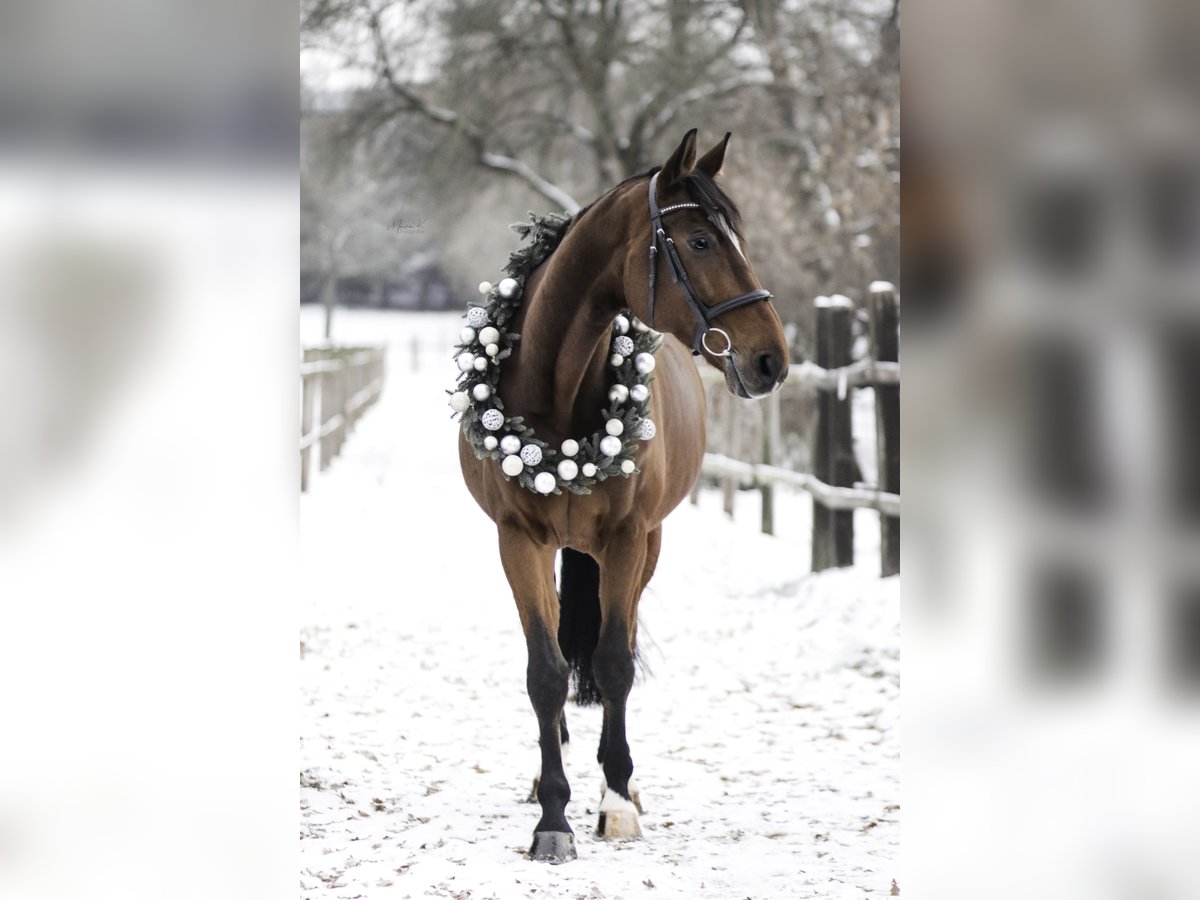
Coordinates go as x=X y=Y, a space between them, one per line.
x=579 y=621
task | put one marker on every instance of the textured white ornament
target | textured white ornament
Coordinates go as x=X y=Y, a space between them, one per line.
x=610 y=446
x=614 y=427
x=567 y=469
x=531 y=455
x=570 y=447
x=644 y=363
x=477 y=317
x=640 y=393
x=623 y=345
x=489 y=335
x=618 y=393
x=589 y=470
x=644 y=430
x=508 y=288
x=466 y=335
x=512 y=466
x=510 y=444
x=616 y=360
x=543 y=482
x=459 y=401
x=491 y=349
x=627 y=466
x=492 y=419
x=490 y=442
x=480 y=363
x=466 y=361
x=621 y=325
x=481 y=392
x=485 y=287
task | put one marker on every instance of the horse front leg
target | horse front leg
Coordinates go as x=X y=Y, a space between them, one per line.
x=529 y=568
x=621 y=584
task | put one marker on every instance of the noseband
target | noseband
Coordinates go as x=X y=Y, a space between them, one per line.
x=704 y=314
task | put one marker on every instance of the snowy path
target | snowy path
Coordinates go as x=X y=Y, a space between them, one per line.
x=765 y=737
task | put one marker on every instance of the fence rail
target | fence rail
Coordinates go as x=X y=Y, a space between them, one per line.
x=832 y=482
x=338 y=385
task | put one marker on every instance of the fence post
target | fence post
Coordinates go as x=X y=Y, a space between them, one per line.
x=326 y=413
x=306 y=411
x=728 y=482
x=885 y=347
x=833 y=459
x=770 y=446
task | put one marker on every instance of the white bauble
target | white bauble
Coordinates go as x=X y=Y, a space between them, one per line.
x=491 y=349
x=616 y=360
x=481 y=392
x=627 y=466
x=640 y=393
x=567 y=469
x=618 y=393
x=589 y=470
x=644 y=363
x=459 y=401
x=644 y=430
x=543 y=482
x=623 y=345
x=467 y=334
x=480 y=363
x=476 y=316
x=490 y=442
x=508 y=288
x=512 y=466
x=492 y=419
x=641 y=326
x=489 y=335
x=621 y=325
x=466 y=362
x=614 y=427
x=485 y=287
x=510 y=444
x=570 y=447
x=610 y=446
x=531 y=455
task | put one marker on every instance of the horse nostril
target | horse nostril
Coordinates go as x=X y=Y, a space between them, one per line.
x=767 y=365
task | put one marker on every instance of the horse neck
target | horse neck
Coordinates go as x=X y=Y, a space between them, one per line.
x=560 y=381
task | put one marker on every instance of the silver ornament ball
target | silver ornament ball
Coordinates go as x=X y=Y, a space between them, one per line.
x=512 y=466
x=491 y=349
x=485 y=287
x=480 y=363
x=508 y=288
x=640 y=393
x=467 y=335
x=570 y=447
x=567 y=469
x=621 y=325
x=466 y=362
x=618 y=393
x=614 y=427
x=627 y=466
x=544 y=482
x=481 y=392
x=510 y=444
x=459 y=401
x=610 y=446
x=616 y=360
x=589 y=470
x=492 y=419
x=489 y=335
x=490 y=442
x=644 y=363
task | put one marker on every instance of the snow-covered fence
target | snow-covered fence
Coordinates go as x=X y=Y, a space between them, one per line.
x=338 y=384
x=834 y=470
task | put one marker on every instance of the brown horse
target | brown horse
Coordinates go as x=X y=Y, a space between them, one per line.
x=558 y=380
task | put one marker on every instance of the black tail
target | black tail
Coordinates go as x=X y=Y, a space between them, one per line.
x=579 y=621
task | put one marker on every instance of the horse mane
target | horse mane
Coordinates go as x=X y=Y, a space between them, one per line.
x=546 y=231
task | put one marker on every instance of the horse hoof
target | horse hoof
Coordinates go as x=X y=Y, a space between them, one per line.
x=553 y=847
x=618 y=819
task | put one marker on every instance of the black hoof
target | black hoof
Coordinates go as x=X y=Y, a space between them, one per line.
x=553 y=846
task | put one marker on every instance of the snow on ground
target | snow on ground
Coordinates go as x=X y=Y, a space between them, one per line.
x=765 y=737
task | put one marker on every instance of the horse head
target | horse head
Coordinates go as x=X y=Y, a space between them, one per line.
x=697 y=283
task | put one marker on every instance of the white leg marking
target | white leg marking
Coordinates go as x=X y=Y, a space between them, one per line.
x=618 y=819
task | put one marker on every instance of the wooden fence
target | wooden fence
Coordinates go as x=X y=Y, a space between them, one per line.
x=832 y=481
x=338 y=384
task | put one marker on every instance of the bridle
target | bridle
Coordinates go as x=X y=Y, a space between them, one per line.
x=704 y=314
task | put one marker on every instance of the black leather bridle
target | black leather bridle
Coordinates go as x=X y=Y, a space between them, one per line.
x=659 y=239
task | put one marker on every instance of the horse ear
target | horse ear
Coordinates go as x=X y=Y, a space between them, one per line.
x=712 y=161
x=682 y=161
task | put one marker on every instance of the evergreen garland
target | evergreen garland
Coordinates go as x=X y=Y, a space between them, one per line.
x=539 y=461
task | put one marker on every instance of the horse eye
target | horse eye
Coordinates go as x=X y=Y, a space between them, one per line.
x=699 y=243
